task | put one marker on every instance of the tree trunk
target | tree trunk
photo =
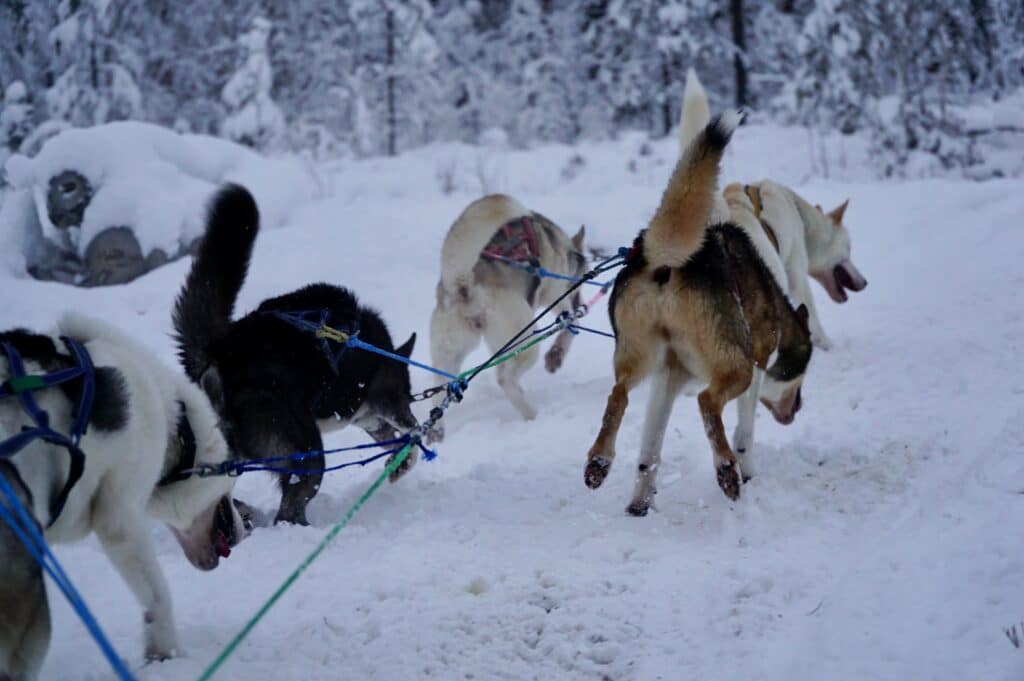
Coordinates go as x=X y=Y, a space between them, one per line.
x=667 y=119
x=389 y=19
x=740 y=42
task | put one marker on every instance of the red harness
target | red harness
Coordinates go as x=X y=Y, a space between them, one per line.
x=515 y=241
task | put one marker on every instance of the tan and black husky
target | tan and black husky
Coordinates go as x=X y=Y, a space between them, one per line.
x=696 y=304
x=808 y=240
x=481 y=295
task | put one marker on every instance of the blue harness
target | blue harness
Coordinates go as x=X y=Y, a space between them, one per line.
x=22 y=385
x=303 y=321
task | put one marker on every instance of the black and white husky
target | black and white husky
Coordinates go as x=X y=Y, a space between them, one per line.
x=143 y=419
x=274 y=382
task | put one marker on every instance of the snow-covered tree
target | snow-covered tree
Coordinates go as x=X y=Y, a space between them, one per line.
x=93 y=83
x=254 y=118
x=15 y=119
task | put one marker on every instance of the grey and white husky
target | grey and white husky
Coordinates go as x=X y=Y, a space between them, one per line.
x=481 y=294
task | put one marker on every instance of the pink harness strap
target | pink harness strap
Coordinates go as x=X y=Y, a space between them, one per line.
x=515 y=241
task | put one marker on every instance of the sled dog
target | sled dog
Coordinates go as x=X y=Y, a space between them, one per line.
x=143 y=427
x=696 y=304
x=482 y=292
x=809 y=241
x=273 y=381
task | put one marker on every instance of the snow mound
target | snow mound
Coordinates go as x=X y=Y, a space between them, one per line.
x=156 y=181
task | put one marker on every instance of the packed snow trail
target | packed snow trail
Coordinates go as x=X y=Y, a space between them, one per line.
x=882 y=538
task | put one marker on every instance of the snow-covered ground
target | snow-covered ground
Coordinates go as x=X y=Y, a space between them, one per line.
x=884 y=538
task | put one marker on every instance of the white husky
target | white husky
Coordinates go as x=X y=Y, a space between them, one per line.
x=480 y=295
x=147 y=422
x=809 y=240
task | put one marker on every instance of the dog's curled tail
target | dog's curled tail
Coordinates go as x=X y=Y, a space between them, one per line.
x=202 y=312
x=694 y=113
x=677 y=229
x=468 y=236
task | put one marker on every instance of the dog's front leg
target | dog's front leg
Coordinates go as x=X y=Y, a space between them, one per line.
x=801 y=292
x=659 y=408
x=128 y=543
x=746 y=411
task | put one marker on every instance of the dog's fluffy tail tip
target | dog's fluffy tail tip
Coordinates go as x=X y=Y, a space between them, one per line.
x=234 y=202
x=692 y=81
x=719 y=131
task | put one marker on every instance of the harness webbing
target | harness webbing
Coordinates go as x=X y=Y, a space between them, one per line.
x=22 y=385
x=753 y=193
x=515 y=240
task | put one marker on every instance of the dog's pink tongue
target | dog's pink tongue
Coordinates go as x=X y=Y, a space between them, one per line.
x=221 y=545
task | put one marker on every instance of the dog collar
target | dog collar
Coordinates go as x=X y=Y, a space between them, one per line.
x=187 y=461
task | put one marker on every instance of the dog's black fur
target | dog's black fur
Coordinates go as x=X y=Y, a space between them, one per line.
x=110 y=402
x=271 y=381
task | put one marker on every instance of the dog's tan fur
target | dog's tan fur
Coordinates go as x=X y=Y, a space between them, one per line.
x=810 y=241
x=696 y=304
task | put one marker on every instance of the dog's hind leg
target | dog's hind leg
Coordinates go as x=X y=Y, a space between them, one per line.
x=128 y=542
x=452 y=338
x=24 y=610
x=301 y=484
x=664 y=388
x=511 y=313
x=555 y=355
x=746 y=410
x=631 y=366
x=725 y=386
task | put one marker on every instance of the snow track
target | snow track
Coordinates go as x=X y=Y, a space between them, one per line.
x=882 y=539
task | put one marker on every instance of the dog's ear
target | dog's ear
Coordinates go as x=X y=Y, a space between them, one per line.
x=212 y=386
x=577 y=239
x=405 y=350
x=803 y=315
x=837 y=214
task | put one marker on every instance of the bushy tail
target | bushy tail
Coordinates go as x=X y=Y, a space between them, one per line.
x=202 y=312
x=470 y=234
x=677 y=229
x=694 y=114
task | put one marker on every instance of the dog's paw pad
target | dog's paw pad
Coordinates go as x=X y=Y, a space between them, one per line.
x=729 y=480
x=156 y=654
x=821 y=342
x=403 y=468
x=435 y=434
x=553 y=359
x=596 y=472
x=638 y=508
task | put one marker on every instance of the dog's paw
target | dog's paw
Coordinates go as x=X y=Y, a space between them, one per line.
x=159 y=653
x=435 y=434
x=596 y=471
x=729 y=480
x=404 y=467
x=247 y=513
x=294 y=517
x=638 y=508
x=553 y=358
x=821 y=341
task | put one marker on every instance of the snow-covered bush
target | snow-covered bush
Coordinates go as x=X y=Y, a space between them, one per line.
x=149 y=182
